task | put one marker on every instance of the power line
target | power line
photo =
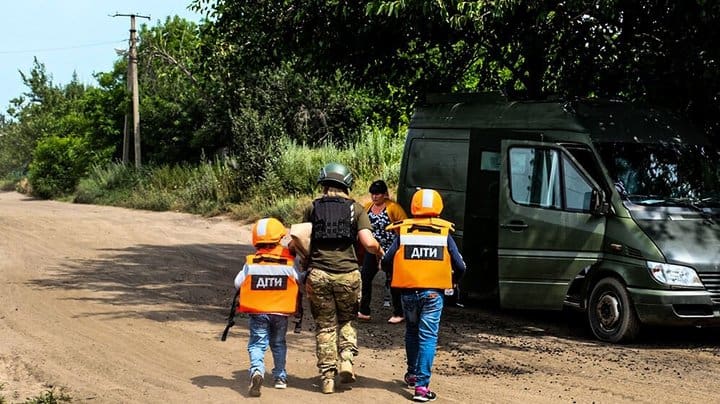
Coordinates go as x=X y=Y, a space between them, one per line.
x=60 y=49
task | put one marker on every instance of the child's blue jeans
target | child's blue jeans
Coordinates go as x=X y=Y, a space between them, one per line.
x=268 y=330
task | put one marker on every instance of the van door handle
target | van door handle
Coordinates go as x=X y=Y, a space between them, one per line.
x=515 y=225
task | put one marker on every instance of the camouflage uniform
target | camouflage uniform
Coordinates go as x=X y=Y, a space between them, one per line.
x=334 y=296
x=333 y=290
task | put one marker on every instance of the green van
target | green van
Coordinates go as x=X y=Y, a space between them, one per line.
x=600 y=206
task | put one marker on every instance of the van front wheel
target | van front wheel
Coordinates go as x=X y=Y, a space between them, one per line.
x=610 y=312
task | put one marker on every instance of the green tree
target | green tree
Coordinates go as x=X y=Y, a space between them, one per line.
x=30 y=118
x=172 y=102
x=257 y=102
x=663 y=53
x=79 y=115
x=660 y=52
x=389 y=58
x=58 y=164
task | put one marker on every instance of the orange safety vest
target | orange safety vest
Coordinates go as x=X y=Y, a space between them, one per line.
x=422 y=260
x=270 y=283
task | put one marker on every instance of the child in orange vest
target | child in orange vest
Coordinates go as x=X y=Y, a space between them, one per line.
x=268 y=290
x=425 y=262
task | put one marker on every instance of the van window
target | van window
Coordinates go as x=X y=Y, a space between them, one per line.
x=535 y=177
x=585 y=157
x=664 y=173
x=546 y=178
x=438 y=164
x=577 y=189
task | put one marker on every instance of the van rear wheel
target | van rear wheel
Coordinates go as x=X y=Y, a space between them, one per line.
x=610 y=313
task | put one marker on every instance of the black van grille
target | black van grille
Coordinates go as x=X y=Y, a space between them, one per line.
x=712 y=284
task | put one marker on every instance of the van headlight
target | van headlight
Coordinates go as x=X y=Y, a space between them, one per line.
x=674 y=275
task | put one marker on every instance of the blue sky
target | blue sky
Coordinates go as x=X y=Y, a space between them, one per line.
x=71 y=36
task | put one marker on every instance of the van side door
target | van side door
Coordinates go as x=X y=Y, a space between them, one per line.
x=547 y=232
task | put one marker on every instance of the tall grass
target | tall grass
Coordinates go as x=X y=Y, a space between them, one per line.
x=378 y=155
x=212 y=187
x=293 y=179
x=206 y=188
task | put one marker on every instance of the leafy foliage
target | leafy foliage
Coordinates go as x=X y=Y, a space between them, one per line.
x=284 y=86
x=661 y=53
x=58 y=164
x=46 y=115
x=173 y=103
x=657 y=52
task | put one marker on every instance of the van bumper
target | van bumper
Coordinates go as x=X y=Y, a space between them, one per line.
x=675 y=307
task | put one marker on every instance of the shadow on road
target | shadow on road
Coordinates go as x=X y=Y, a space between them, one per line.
x=162 y=283
x=241 y=380
x=194 y=282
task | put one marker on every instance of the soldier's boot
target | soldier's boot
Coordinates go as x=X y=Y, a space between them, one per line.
x=346 y=367
x=327 y=382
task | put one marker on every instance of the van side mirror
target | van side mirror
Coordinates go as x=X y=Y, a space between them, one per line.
x=598 y=205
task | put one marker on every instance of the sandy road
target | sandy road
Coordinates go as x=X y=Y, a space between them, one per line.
x=121 y=306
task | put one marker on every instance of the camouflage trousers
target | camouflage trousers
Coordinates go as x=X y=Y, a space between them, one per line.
x=333 y=301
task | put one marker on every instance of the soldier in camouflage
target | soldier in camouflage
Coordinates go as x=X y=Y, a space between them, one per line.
x=333 y=281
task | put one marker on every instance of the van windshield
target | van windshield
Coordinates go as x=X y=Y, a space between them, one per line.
x=667 y=174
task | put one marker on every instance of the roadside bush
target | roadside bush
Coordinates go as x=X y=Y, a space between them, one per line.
x=168 y=177
x=254 y=133
x=114 y=175
x=206 y=188
x=57 y=166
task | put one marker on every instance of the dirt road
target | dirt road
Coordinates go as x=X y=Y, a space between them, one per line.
x=121 y=306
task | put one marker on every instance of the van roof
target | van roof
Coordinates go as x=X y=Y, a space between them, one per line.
x=603 y=120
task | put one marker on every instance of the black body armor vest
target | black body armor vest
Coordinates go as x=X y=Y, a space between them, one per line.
x=333 y=218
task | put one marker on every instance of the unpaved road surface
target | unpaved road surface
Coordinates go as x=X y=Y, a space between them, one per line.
x=121 y=306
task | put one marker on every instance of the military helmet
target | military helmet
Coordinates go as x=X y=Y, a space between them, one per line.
x=267 y=231
x=426 y=202
x=335 y=174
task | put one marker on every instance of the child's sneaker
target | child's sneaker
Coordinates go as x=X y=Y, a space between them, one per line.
x=256 y=382
x=410 y=380
x=423 y=395
x=280 y=383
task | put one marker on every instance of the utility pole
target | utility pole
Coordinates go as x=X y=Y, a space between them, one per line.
x=126 y=126
x=133 y=86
